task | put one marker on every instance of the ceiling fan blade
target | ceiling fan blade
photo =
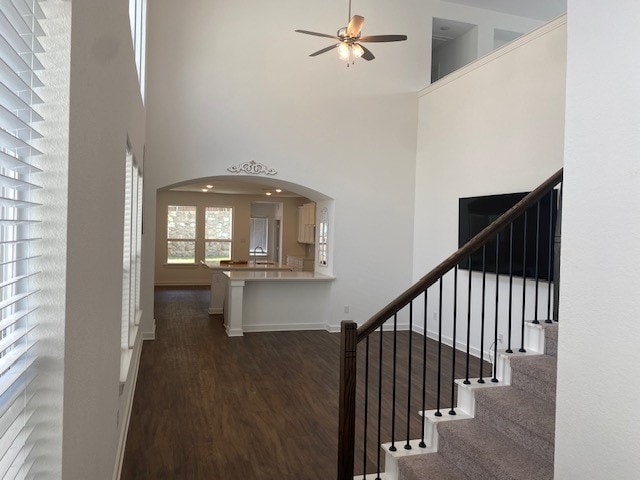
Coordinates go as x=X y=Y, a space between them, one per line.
x=355 y=26
x=367 y=55
x=383 y=38
x=307 y=32
x=314 y=54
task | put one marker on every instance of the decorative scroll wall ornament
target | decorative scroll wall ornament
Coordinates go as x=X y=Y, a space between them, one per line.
x=252 y=168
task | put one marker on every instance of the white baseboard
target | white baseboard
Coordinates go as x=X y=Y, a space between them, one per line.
x=152 y=334
x=283 y=327
x=124 y=427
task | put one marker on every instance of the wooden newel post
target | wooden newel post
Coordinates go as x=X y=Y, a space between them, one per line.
x=347 y=426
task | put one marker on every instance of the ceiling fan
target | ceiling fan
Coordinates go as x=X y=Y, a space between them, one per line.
x=350 y=40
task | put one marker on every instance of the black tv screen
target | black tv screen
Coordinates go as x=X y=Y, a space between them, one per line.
x=476 y=213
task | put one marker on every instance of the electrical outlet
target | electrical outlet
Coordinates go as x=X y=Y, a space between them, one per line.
x=346 y=309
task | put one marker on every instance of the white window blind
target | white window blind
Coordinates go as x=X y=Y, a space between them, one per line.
x=131 y=258
x=19 y=65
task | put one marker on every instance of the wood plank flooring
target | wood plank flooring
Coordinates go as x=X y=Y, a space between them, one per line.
x=262 y=406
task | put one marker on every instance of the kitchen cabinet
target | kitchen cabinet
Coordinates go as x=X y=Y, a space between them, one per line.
x=300 y=264
x=307 y=223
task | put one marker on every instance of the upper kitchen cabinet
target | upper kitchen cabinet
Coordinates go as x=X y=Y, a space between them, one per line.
x=307 y=223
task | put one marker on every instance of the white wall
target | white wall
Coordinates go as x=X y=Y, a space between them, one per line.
x=105 y=107
x=493 y=127
x=598 y=420
x=217 y=98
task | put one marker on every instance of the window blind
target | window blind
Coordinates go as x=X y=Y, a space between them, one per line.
x=132 y=249
x=19 y=67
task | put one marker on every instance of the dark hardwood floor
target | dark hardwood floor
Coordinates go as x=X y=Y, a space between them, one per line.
x=262 y=406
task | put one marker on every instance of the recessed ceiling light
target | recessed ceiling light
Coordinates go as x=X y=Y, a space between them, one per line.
x=205 y=190
x=209 y=186
x=279 y=190
x=268 y=194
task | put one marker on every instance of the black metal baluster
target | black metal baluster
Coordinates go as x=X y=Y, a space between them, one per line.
x=438 y=412
x=379 y=402
x=549 y=265
x=510 y=284
x=495 y=332
x=466 y=375
x=556 y=257
x=366 y=407
x=393 y=388
x=484 y=281
x=407 y=445
x=455 y=317
x=422 y=443
x=535 y=303
x=524 y=281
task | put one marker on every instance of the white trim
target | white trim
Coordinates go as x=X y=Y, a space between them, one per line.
x=388 y=327
x=124 y=426
x=509 y=47
x=152 y=334
x=283 y=327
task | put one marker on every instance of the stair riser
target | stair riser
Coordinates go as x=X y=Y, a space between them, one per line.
x=551 y=342
x=542 y=389
x=456 y=452
x=520 y=435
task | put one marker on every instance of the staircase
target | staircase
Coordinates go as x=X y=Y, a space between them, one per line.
x=498 y=426
x=506 y=432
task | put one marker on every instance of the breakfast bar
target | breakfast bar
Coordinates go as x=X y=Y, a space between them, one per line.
x=275 y=300
x=219 y=282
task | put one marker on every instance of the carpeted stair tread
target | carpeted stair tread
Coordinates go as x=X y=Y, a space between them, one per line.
x=523 y=418
x=484 y=454
x=535 y=374
x=427 y=466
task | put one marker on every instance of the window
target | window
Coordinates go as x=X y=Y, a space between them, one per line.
x=19 y=45
x=323 y=238
x=181 y=234
x=218 y=227
x=131 y=258
x=259 y=236
x=138 y=21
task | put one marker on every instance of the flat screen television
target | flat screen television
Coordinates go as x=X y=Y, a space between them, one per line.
x=476 y=213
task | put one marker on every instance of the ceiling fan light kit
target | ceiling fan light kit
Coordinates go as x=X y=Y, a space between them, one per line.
x=349 y=40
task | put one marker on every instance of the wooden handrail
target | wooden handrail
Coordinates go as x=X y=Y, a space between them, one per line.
x=471 y=246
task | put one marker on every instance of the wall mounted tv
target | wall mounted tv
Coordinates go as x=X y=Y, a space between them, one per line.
x=476 y=213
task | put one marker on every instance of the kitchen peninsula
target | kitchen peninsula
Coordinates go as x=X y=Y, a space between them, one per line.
x=275 y=300
x=219 y=282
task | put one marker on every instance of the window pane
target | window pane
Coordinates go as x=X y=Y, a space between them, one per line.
x=181 y=251
x=217 y=251
x=259 y=235
x=181 y=222
x=218 y=223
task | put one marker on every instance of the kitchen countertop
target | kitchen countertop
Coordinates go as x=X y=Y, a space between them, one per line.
x=276 y=276
x=246 y=266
